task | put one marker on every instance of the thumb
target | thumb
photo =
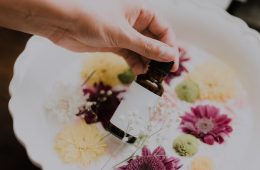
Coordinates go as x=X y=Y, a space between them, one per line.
x=151 y=48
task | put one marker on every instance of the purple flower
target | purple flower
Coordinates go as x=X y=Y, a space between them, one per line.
x=206 y=123
x=88 y=114
x=104 y=101
x=157 y=160
x=182 y=68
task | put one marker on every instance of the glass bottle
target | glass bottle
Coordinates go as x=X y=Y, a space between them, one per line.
x=142 y=94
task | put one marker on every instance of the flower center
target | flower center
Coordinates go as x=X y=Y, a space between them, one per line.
x=205 y=125
x=145 y=167
x=146 y=163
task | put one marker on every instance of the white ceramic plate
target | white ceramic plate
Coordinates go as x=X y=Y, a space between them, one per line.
x=208 y=27
x=220 y=3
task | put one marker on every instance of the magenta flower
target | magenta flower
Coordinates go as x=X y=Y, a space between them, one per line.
x=157 y=160
x=206 y=123
x=183 y=58
x=105 y=101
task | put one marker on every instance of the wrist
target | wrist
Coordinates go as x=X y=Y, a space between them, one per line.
x=39 y=17
x=10 y=14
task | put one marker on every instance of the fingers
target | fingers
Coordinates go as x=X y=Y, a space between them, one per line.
x=162 y=31
x=152 y=38
x=150 y=24
x=149 y=47
x=176 y=61
x=138 y=64
x=179 y=51
x=148 y=20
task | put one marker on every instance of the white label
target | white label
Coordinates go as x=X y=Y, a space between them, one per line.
x=133 y=113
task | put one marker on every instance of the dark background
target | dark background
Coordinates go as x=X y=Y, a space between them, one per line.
x=12 y=155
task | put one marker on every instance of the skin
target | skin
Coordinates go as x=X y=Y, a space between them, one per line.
x=126 y=27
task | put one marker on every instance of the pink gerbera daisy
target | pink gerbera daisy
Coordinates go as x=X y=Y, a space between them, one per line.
x=206 y=123
x=156 y=160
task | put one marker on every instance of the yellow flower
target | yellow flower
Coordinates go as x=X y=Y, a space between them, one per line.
x=202 y=163
x=106 y=67
x=216 y=81
x=80 y=143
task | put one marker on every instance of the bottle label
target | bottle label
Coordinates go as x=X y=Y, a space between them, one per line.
x=133 y=113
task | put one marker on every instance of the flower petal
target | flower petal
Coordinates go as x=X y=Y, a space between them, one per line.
x=146 y=151
x=208 y=139
x=160 y=153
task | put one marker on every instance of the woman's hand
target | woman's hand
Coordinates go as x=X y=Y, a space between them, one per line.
x=127 y=27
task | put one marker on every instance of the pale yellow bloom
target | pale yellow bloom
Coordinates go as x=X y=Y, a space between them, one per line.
x=80 y=143
x=106 y=66
x=216 y=81
x=202 y=163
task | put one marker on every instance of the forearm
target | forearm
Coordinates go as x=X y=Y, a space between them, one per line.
x=41 y=17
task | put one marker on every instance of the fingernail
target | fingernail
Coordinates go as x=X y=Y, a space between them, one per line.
x=175 y=67
x=177 y=52
x=169 y=53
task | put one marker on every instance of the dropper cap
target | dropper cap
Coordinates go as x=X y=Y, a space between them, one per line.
x=162 y=67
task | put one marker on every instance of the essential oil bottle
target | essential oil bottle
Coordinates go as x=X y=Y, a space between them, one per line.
x=142 y=94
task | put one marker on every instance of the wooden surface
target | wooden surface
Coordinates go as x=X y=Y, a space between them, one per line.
x=12 y=154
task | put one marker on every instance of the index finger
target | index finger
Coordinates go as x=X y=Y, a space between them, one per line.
x=164 y=33
x=162 y=30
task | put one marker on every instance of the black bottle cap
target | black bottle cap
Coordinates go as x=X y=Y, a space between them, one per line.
x=162 y=67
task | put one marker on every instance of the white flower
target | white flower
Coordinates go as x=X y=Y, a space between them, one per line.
x=64 y=102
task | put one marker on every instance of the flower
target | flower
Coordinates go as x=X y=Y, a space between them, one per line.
x=183 y=58
x=163 y=109
x=206 y=123
x=188 y=91
x=157 y=160
x=202 y=163
x=186 y=145
x=216 y=81
x=104 y=101
x=63 y=103
x=87 y=113
x=80 y=143
x=126 y=77
x=106 y=67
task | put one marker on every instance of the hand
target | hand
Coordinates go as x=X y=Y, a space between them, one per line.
x=127 y=27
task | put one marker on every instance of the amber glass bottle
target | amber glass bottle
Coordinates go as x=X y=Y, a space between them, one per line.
x=143 y=94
